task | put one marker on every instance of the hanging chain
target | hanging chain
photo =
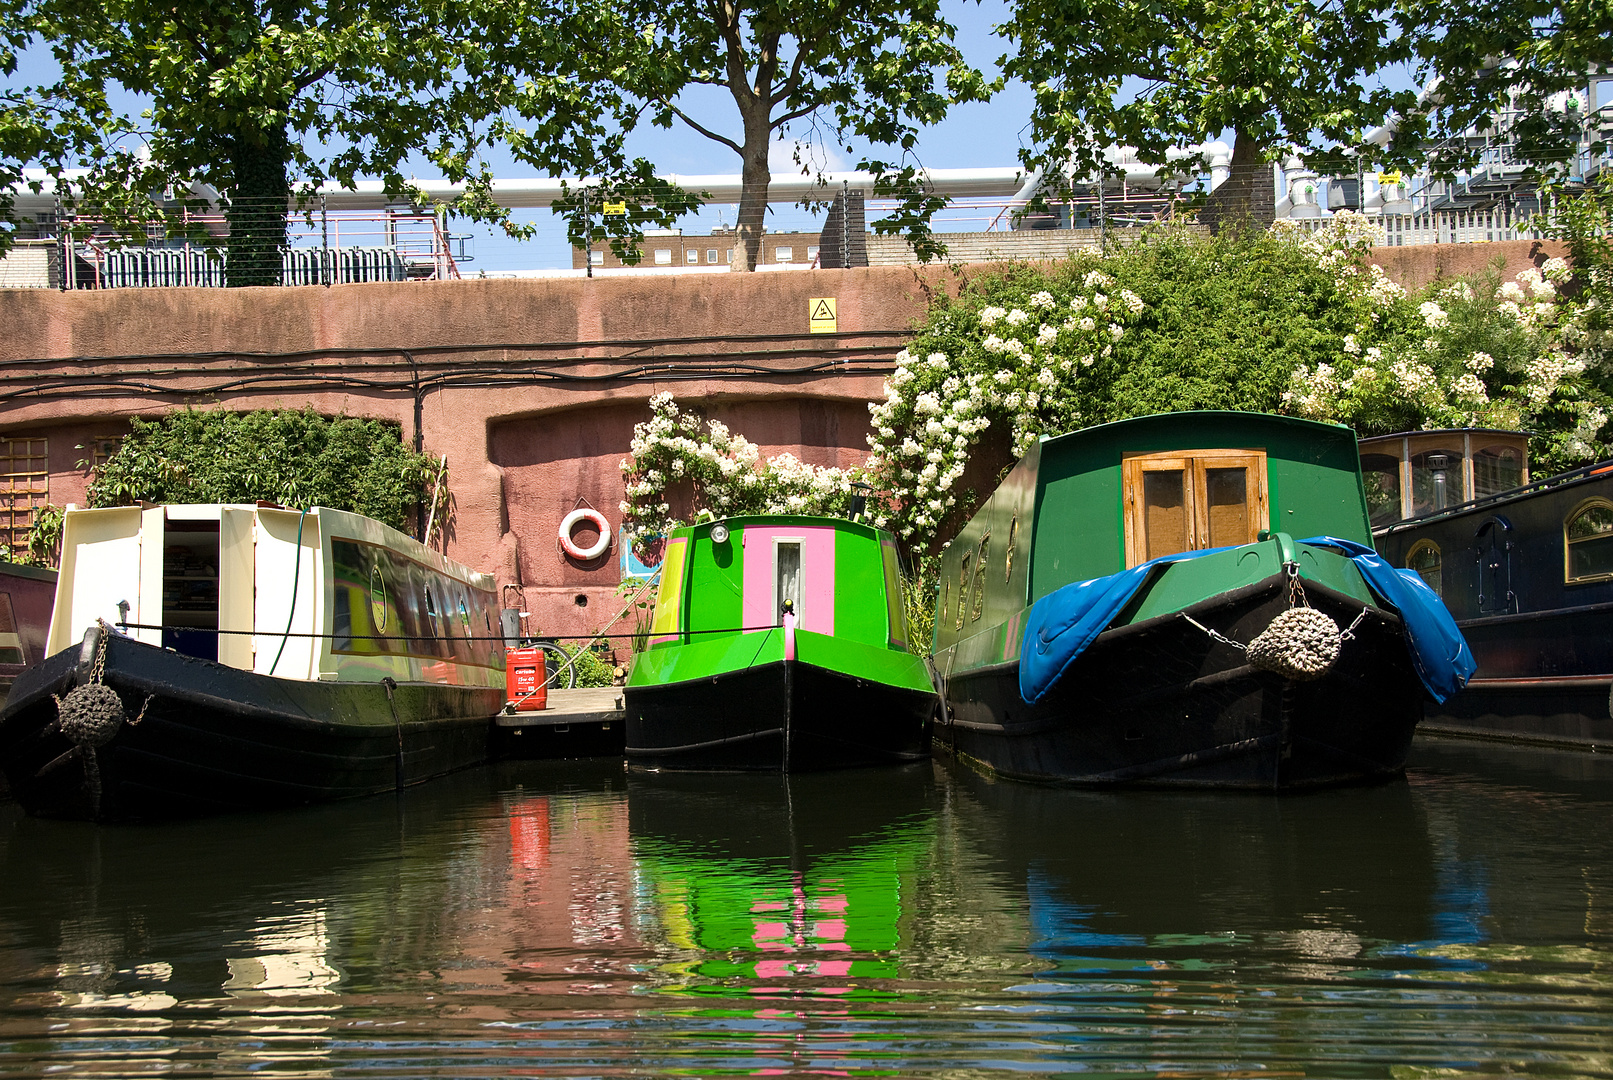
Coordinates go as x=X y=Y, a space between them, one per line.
x=1296 y=590
x=98 y=669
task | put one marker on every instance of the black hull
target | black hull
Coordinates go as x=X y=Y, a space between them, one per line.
x=1159 y=703
x=1573 y=712
x=216 y=739
x=784 y=716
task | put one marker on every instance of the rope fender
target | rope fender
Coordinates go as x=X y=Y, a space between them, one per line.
x=1300 y=644
x=91 y=715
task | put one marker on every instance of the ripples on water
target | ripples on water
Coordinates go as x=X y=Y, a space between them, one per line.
x=569 y=920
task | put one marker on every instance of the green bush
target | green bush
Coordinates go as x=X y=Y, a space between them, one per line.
x=296 y=458
x=592 y=669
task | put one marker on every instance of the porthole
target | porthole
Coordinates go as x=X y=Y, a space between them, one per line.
x=464 y=617
x=1588 y=541
x=378 y=598
x=1425 y=558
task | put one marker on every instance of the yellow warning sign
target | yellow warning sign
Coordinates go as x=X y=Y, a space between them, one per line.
x=616 y=209
x=821 y=315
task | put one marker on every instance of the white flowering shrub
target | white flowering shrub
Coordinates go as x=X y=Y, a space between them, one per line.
x=682 y=470
x=1027 y=366
x=1478 y=352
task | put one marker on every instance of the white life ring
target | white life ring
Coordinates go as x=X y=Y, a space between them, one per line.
x=597 y=520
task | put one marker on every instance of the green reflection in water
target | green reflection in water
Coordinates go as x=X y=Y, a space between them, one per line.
x=837 y=921
x=804 y=893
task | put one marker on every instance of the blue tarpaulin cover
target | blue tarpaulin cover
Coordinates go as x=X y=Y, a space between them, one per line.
x=1439 y=652
x=1063 y=623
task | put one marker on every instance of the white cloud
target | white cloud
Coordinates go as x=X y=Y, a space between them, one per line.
x=815 y=157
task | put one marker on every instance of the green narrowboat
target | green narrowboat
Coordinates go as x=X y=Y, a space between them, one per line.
x=1133 y=605
x=778 y=643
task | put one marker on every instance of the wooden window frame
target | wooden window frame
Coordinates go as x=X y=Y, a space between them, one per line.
x=1569 y=519
x=1195 y=465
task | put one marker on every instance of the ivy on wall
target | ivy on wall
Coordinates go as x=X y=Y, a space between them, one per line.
x=296 y=458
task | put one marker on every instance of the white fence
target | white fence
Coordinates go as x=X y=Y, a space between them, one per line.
x=1446 y=227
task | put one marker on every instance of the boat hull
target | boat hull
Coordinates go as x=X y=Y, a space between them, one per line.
x=786 y=715
x=217 y=739
x=1161 y=703
x=1574 y=712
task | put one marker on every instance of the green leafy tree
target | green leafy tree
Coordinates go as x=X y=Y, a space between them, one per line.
x=839 y=71
x=243 y=94
x=1527 y=60
x=1277 y=73
x=51 y=126
x=294 y=458
x=261 y=100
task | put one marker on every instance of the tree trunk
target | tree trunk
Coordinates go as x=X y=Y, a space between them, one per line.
x=755 y=176
x=256 y=212
x=1246 y=200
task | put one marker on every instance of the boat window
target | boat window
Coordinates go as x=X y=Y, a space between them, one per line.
x=963 y=588
x=1008 y=556
x=895 y=600
x=1588 y=537
x=1165 y=512
x=464 y=616
x=1496 y=469
x=1380 y=477
x=1187 y=502
x=977 y=603
x=787 y=579
x=1436 y=481
x=1226 y=498
x=377 y=598
x=431 y=614
x=1424 y=557
x=9 y=654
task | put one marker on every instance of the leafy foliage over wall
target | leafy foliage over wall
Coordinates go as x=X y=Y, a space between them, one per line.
x=294 y=458
x=1288 y=321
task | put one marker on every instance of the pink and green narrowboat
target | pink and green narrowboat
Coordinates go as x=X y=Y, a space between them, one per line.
x=779 y=643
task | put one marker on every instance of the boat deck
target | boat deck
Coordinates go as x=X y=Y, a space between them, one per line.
x=582 y=722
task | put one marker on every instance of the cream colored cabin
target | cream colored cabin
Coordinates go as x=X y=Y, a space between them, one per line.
x=236 y=583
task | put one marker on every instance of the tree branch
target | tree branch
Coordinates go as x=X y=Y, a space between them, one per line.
x=707 y=132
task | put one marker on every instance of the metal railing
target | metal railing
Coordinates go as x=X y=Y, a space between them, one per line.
x=322 y=248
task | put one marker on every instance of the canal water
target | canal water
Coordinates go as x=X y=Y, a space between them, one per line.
x=570 y=919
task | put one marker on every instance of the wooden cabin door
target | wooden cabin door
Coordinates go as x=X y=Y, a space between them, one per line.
x=1192 y=500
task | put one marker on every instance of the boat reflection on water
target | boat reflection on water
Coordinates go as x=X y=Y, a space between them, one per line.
x=783 y=885
x=566 y=918
x=1186 y=883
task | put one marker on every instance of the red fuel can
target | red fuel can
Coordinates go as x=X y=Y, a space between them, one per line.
x=524 y=679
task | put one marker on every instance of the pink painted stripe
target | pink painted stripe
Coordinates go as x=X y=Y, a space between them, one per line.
x=789 y=635
x=817 y=566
